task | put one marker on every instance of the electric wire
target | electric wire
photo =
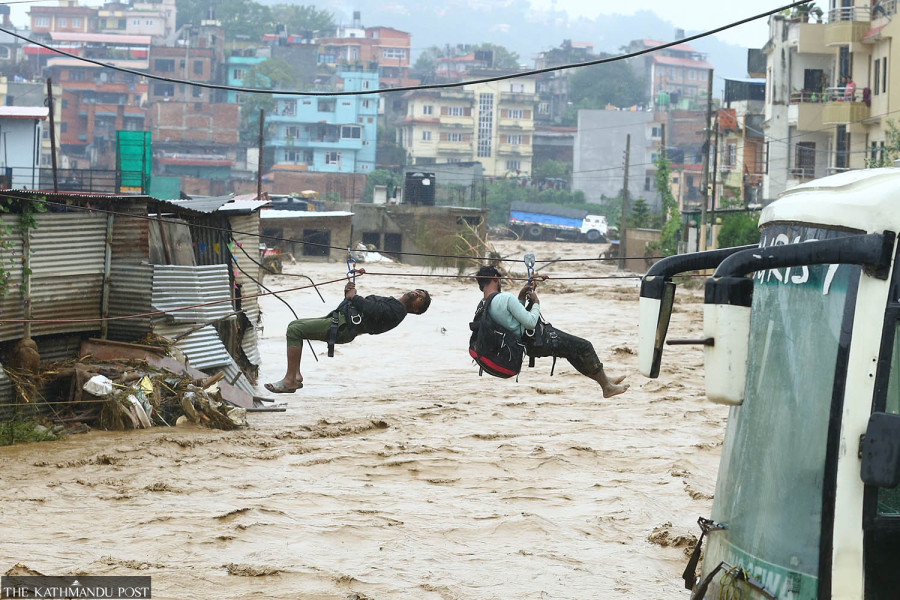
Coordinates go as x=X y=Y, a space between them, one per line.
x=528 y=73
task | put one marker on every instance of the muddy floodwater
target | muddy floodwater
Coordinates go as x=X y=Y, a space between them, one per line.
x=397 y=472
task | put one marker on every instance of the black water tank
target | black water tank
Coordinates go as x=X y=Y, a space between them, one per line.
x=419 y=189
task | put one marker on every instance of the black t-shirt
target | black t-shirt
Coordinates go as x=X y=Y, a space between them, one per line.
x=379 y=313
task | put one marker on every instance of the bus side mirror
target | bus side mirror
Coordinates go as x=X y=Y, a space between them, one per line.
x=880 y=449
x=655 y=311
x=726 y=320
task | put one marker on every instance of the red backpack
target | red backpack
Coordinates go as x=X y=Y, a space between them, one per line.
x=497 y=350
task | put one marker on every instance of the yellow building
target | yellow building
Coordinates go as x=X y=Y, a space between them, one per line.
x=491 y=123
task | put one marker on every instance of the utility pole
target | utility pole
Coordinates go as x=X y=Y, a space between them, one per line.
x=622 y=227
x=259 y=160
x=715 y=173
x=52 y=136
x=703 y=208
x=662 y=154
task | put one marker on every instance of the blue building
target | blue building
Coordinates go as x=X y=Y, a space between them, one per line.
x=237 y=67
x=330 y=134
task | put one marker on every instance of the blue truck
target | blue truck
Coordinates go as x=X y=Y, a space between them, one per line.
x=534 y=221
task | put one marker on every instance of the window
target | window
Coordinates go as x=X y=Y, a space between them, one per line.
x=148 y=22
x=76 y=22
x=351 y=132
x=656 y=132
x=136 y=22
x=513 y=165
x=288 y=108
x=65 y=104
x=516 y=88
x=198 y=67
x=454 y=137
x=4 y=53
x=198 y=106
x=198 y=92
x=292 y=156
x=544 y=108
x=238 y=73
x=646 y=184
x=292 y=132
x=692 y=74
x=163 y=89
x=42 y=21
x=316 y=242
x=63 y=127
x=884 y=75
x=516 y=113
x=76 y=75
x=731 y=154
x=805 y=159
x=326 y=105
x=426 y=136
x=333 y=158
x=398 y=53
x=62 y=22
x=366 y=84
x=485 y=124
x=164 y=65
x=455 y=111
x=428 y=109
x=366 y=103
x=514 y=140
x=877 y=78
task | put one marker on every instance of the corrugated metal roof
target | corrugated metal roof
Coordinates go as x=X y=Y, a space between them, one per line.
x=300 y=214
x=210 y=204
x=176 y=286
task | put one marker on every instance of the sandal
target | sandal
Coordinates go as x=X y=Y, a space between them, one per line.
x=279 y=388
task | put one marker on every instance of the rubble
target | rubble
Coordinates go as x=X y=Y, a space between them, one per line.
x=114 y=386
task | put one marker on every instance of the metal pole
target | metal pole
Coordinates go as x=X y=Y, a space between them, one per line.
x=52 y=134
x=259 y=164
x=662 y=154
x=705 y=205
x=715 y=178
x=622 y=226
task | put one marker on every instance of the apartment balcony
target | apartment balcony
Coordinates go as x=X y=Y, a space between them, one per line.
x=847 y=25
x=843 y=107
x=518 y=98
x=805 y=110
x=808 y=37
x=517 y=124
x=514 y=149
x=466 y=148
x=457 y=121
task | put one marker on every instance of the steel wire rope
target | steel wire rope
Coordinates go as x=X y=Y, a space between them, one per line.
x=599 y=61
x=259 y=235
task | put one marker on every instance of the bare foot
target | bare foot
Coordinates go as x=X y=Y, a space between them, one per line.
x=615 y=390
x=615 y=381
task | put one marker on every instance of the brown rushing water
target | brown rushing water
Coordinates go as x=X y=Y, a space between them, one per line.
x=397 y=472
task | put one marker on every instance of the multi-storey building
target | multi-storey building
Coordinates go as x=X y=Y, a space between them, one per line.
x=95 y=103
x=829 y=92
x=334 y=134
x=674 y=76
x=67 y=16
x=739 y=142
x=154 y=18
x=491 y=123
x=553 y=86
x=384 y=49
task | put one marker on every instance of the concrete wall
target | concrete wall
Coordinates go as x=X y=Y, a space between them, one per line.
x=348 y=186
x=417 y=229
x=636 y=241
x=337 y=229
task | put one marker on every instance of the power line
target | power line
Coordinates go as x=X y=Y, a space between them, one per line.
x=433 y=86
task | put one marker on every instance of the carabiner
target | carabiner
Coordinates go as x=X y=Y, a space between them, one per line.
x=351 y=271
x=529 y=265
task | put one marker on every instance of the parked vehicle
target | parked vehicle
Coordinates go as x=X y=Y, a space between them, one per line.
x=800 y=338
x=549 y=222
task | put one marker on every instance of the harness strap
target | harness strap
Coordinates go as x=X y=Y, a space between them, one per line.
x=352 y=316
x=332 y=331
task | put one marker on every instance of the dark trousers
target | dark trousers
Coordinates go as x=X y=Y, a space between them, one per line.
x=578 y=351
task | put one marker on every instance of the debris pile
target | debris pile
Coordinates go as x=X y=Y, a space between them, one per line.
x=115 y=386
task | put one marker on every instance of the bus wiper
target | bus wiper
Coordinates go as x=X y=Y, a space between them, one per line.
x=735 y=572
x=690 y=571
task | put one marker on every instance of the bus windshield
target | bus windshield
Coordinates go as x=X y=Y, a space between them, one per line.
x=770 y=483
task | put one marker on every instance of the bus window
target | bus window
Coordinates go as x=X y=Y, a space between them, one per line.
x=889 y=499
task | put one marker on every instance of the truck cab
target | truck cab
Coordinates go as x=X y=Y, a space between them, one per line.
x=594 y=228
x=801 y=339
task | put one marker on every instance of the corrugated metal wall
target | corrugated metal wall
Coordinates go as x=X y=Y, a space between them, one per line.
x=243 y=227
x=176 y=286
x=11 y=305
x=131 y=275
x=67 y=262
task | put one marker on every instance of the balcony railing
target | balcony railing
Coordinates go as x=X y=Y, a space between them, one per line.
x=849 y=13
x=803 y=172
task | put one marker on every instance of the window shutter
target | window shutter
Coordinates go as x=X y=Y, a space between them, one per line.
x=443 y=137
x=445 y=111
x=526 y=139
x=467 y=112
x=526 y=114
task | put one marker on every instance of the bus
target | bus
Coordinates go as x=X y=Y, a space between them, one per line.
x=800 y=340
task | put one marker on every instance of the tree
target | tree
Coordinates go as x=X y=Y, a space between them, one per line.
x=239 y=18
x=891 y=150
x=300 y=18
x=426 y=63
x=250 y=105
x=739 y=229
x=595 y=86
x=639 y=215
x=379 y=177
x=272 y=73
x=671 y=227
x=551 y=169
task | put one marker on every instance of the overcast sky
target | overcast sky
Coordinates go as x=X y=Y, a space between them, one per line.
x=691 y=15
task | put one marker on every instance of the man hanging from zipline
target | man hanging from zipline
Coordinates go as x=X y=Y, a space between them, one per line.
x=355 y=315
x=542 y=339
